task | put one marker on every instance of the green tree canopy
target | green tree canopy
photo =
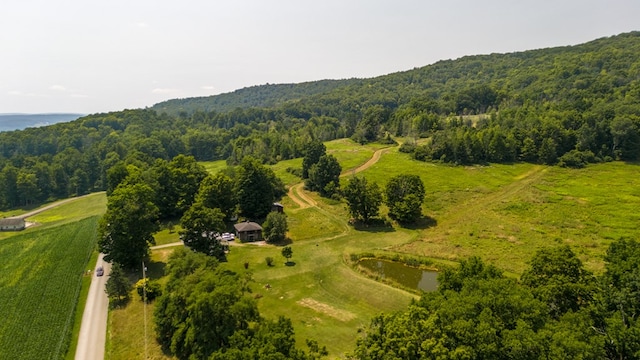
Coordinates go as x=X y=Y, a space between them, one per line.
x=117 y=286
x=363 y=198
x=404 y=196
x=324 y=176
x=257 y=187
x=201 y=227
x=312 y=154
x=287 y=252
x=275 y=227
x=216 y=191
x=557 y=277
x=126 y=229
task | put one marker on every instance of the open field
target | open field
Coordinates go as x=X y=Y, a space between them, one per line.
x=40 y=283
x=502 y=213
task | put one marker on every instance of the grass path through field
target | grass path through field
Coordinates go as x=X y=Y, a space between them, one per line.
x=473 y=207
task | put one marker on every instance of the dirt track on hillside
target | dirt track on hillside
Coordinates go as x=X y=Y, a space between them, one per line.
x=296 y=192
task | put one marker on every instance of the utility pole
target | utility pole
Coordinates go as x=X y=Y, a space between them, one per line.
x=144 y=300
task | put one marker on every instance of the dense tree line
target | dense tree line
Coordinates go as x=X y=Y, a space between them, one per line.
x=139 y=197
x=569 y=105
x=557 y=310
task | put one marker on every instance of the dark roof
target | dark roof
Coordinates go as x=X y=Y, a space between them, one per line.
x=247 y=226
x=11 y=221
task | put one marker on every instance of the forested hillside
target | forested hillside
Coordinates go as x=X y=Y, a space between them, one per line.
x=268 y=95
x=569 y=105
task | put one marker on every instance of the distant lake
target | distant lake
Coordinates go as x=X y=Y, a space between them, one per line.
x=413 y=278
x=10 y=122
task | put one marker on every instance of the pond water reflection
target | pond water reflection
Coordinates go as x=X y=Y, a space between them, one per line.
x=410 y=277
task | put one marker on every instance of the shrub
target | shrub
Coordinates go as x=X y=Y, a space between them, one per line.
x=269 y=260
x=407 y=148
x=153 y=289
x=576 y=159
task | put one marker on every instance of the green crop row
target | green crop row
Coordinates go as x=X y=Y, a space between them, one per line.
x=40 y=278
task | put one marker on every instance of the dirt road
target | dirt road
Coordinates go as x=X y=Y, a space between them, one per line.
x=298 y=196
x=93 y=330
x=50 y=206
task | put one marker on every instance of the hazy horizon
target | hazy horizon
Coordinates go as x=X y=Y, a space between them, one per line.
x=89 y=58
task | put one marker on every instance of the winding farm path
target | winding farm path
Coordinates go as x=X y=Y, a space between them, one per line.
x=297 y=194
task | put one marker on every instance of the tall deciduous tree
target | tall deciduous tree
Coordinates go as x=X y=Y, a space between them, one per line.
x=201 y=227
x=324 y=176
x=127 y=228
x=275 y=227
x=186 y=175
x=313 y=152
x=557 y=277
x=216 y=191
x=404 y=196
x=257 y=187
x=363 y=198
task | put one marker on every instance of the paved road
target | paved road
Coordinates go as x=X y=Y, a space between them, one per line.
x=93 y=330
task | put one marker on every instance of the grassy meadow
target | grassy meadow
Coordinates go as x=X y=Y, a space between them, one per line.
x=502 y=213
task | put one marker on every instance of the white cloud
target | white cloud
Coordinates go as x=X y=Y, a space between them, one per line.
x=79 y=96
x=208 y=87
x=142 y=25
x=15 y=93
x=57 y=88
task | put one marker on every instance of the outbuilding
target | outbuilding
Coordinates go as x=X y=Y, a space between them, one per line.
x=12 y=224
x=248 y=231
x=277 y=207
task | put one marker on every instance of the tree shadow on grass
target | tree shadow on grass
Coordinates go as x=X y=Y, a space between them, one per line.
x=155 y=269
x=423 y=222
x=285 y=242
x=374 y=226
x=117 y=302
x=290 y=263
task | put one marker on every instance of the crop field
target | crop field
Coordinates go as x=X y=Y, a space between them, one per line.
x=40 y=282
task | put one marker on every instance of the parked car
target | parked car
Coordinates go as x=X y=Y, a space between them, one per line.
x=99 y=271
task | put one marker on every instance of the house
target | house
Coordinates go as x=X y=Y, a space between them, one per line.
x=248 y=231
x=12 y=224
x=277 y=207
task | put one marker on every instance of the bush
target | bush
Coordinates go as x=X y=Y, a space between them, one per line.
x=269 y=260
x=576 y=159
x=407 y=148
x=153 y=289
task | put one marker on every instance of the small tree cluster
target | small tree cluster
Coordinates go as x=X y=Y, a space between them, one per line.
x=404 y=196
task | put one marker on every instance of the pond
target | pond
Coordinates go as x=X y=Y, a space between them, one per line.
x=410 y=277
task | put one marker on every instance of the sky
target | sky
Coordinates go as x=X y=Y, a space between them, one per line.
x=84 y=56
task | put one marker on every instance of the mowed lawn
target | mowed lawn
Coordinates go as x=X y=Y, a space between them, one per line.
x=43 y=272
